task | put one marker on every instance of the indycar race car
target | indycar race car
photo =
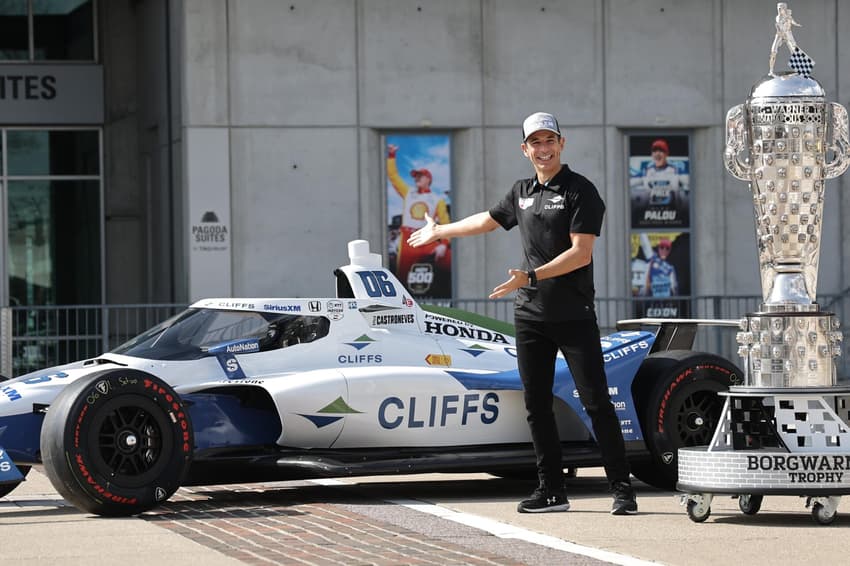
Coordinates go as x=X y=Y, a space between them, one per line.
x=365 y=383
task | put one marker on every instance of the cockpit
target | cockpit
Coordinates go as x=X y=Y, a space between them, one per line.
x=196 y=333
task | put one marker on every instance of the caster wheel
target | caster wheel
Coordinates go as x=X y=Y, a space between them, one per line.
x=698 y=511
x=750 y=504
x=822 y=515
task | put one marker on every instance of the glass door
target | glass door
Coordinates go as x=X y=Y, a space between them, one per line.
x=51 y=187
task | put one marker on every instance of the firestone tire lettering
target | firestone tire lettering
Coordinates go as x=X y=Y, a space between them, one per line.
x=677 y=393
x=121 y=452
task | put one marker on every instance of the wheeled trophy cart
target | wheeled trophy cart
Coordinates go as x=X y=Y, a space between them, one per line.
x=780 y=442
x=786 y=430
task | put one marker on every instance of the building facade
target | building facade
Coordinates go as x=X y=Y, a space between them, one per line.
x=169 y=150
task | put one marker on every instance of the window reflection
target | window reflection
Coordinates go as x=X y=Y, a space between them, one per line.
x=63 y=30
x=54 y=242
x=53 y=152
x=14 y=30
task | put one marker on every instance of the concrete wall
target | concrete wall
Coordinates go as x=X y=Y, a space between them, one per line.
x=307 y=88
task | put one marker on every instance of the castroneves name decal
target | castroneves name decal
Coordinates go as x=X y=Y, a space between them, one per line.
x=452 y=330
x=803 y=468
x=440 y=411
x=384 y=319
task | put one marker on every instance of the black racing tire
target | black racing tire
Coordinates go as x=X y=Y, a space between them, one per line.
x=117 y=443
x=7 y=488
x=677 y=401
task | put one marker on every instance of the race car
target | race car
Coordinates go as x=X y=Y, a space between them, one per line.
x=367 y=382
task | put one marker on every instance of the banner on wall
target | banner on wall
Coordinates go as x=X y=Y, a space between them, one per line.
x=418 y=168
x=661 y=274
x=659 y=181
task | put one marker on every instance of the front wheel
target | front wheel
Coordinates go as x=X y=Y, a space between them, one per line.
x=117 y=442
x=677 y=401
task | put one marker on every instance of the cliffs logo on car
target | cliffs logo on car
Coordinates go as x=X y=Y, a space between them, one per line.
x=361 y=358
x=475 y=350
x=438 y=411
x=331 y=413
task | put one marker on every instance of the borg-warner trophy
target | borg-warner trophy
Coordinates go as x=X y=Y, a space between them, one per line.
x=786 y=140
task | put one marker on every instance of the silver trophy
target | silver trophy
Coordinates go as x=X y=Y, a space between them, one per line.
x=786 y=140
x=789 y=421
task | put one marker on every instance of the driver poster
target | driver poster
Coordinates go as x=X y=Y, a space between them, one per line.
x=661 y=275
x=418 y=170
x=659 y=181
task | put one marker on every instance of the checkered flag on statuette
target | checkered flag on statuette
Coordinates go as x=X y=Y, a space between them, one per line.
x=801 y=63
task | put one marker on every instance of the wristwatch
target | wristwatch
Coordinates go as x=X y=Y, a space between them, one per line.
x=532 y=278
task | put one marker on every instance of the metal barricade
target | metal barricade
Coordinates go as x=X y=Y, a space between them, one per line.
x=32 y=338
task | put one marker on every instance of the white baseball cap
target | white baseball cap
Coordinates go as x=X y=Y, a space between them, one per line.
x=539 y=121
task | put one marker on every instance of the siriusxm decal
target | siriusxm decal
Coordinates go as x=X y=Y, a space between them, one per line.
x=282 y=308
x=331 y=413
x=439 y=411
x=230 y=365
x=10 y=392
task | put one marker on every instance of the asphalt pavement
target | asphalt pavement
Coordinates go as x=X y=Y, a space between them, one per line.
x=439 y=519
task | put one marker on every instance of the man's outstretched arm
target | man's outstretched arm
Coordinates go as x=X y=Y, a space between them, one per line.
x=479 y=223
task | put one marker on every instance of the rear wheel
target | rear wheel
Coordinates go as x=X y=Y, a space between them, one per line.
x=676 y=395
x=116 y=443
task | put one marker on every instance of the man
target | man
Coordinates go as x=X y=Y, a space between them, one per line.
x=661 y=274
x=417 y=204
x=661 y=178
x=784 y=21
x=559 y=214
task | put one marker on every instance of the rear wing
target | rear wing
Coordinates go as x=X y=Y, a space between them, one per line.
x=674 y=333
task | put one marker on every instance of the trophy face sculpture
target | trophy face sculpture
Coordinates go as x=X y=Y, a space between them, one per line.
x=786 y=140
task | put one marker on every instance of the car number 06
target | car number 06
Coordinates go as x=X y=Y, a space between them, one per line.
x=377 y=284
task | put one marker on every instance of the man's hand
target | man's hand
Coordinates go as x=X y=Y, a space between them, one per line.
x=391 y=150
x=519 y=278
x=424 y=235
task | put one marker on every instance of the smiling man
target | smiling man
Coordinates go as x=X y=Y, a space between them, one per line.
x=559 y=214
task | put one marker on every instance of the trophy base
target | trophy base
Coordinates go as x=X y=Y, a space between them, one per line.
x=790 y=349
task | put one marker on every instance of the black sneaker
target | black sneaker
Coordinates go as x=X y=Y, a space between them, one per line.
x=544 y=501
x=624 y=499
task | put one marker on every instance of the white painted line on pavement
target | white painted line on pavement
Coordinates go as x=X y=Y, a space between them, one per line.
x=504 y=530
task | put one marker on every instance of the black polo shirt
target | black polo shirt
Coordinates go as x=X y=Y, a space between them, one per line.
x=546 y=215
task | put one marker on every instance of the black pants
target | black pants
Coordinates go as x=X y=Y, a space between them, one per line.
x=537 y=346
